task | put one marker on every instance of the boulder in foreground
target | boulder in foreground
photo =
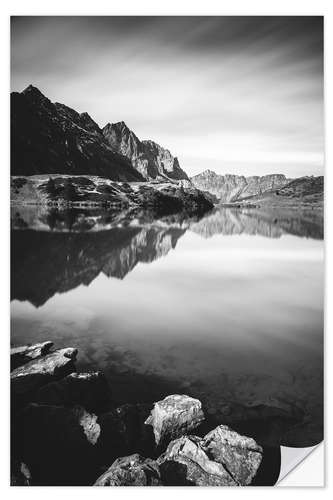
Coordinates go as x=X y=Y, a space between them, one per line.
x=240 y=455
x=131 y=471
x=29 y=377
x=174 y=416
x=186 y=464
x=222 y=458
x=23 y=354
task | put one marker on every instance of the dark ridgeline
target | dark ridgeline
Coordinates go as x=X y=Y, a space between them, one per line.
x=48 y=138
x=51 y=138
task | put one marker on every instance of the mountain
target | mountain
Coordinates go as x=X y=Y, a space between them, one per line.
x=304 y=191
x=148 y=158
x=229 y=188
x=51 y=138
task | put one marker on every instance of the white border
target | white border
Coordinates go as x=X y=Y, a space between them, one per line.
x=144 y=7
x=305 y=467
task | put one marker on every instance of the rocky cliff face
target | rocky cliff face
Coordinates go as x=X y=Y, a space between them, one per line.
x=51 y=138
x=228 y=188
x=148 y=158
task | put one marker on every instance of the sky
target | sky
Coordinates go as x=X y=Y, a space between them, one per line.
x=239 y=95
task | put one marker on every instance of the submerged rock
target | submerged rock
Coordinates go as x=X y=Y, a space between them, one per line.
x=185 y=463
x=23 y=354
x=264 y=423
x=90 y=390
x=29 y=377
x=174 y=416
x=123 y=432
x=131 y=471
x=240 y=455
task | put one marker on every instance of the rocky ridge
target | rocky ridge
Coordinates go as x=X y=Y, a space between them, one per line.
x=305 y=192
x=229 y=188
x=59 y=438
x=51 y=138
x=48 y=138
x=150 y=159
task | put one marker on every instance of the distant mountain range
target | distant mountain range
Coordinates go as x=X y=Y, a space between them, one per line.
x=229 y=188
x=49 y=138
x=303 y=190
x=273 y=190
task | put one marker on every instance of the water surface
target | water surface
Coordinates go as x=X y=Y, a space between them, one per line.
x=227 y=307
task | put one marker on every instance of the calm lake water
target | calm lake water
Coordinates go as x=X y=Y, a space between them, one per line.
x=227 y=308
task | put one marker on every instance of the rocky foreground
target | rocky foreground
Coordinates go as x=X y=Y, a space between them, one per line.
x=67 y=430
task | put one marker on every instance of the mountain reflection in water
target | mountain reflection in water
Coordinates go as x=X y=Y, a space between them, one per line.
x=230 y=309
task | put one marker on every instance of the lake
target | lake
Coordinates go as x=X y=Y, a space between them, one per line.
x=227 y=307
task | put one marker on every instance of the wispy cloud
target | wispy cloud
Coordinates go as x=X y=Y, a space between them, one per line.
x=235 y=94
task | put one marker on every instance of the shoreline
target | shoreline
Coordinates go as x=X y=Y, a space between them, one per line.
x=110 y=445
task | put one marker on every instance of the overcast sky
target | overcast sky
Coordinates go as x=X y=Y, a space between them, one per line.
x=239 y=95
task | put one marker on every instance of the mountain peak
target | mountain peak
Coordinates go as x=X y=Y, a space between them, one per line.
x=32 y=90
x=88 y=123
x=207 y=173
x=121 y=124
x=119 y=127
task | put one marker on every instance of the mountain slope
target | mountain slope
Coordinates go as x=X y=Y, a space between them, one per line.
x=228 y=188
x=301 y=191
x=148 y=158
x=51 y=138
